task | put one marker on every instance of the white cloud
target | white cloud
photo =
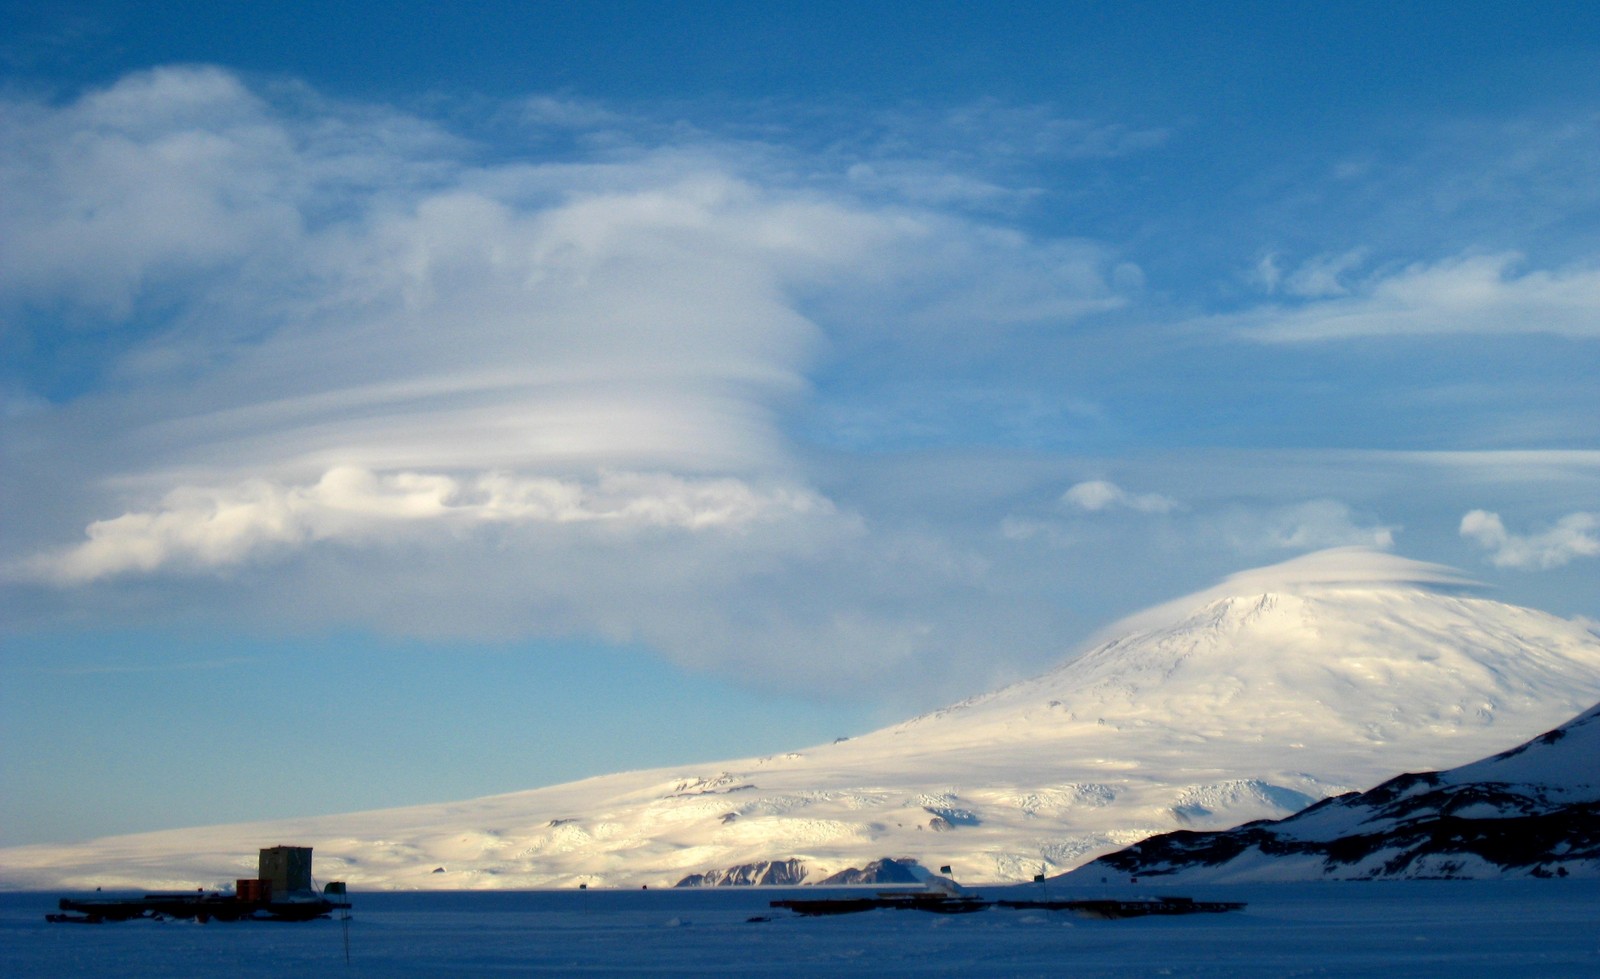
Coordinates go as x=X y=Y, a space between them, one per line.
x=995 y=130
x=199 y=528
x=1305 y=526
x=1325 y=275
x=327 y=292
x=1267 y=273
x=1468 y=294
x=547 y=111
x=168 y=173
x=308 y=285
x=1309 y=525
x=1055 y=532
x=383 y=378
x=1577 y=535
x=1097 y=495
x=966 y=155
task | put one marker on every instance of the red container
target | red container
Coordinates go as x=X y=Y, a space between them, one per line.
x=253 y=890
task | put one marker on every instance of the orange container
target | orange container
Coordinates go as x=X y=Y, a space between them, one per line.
x=252 y=890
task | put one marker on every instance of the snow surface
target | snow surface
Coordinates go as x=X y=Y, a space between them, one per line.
x=1446 y=929
x=1343 y=670
x=1567 y=758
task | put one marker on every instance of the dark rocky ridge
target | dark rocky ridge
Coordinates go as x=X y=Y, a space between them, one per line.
x=1465 y=823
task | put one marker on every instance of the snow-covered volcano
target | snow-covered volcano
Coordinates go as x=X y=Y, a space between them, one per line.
x=1281 y=686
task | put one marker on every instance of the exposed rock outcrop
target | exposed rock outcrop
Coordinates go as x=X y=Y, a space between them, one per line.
x=773 y=873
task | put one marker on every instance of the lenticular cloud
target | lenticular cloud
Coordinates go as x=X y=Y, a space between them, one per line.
x=215 y=527
x=328 y=322
x=336 y=326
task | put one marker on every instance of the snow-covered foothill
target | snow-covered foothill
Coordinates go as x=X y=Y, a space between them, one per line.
x=1532 y=811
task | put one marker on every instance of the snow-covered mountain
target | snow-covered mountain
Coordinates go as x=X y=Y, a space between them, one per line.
x=1325 y=674
x=1533 y=811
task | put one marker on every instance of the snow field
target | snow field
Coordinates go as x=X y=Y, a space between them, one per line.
x=1411 y=929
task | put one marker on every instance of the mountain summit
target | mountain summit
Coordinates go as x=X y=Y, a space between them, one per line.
x=1249 y=701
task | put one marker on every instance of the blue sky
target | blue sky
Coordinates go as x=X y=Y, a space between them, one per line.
x=407 y=402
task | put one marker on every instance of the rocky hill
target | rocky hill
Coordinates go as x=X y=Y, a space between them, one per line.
x=1533 y=811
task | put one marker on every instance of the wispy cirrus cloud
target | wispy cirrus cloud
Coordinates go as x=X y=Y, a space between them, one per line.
x=1320 y=276
x=1466 y=294
x=970 y=156
x=1574 y=536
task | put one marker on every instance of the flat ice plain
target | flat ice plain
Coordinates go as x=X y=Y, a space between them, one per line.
x=1396 y=928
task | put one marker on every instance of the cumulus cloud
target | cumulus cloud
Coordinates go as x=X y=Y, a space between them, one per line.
x=1466 y=294
x=1577 y=535
x=1096 y=495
